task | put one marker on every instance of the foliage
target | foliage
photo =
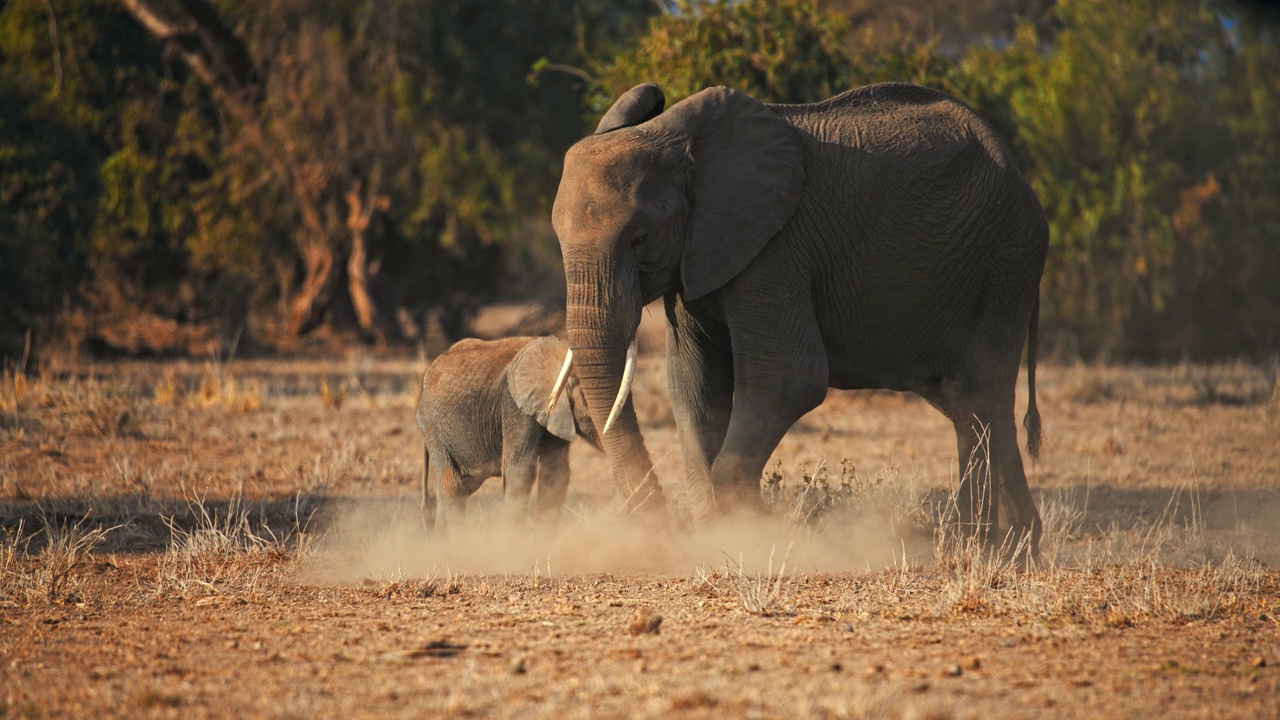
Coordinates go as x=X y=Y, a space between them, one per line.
x=1143 y=127
x=131 y=187
x=786 y=51
x=1128 y=121
x=412 y=149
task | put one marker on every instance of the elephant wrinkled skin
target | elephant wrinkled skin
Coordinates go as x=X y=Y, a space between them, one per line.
x=483 y=412
x=879 y=239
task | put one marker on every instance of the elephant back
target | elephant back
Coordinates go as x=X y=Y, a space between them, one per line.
x=465 y=378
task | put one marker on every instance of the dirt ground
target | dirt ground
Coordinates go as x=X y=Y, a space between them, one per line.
x=243 y=539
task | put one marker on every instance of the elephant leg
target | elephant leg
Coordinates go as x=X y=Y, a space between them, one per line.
x=992 y=476
x=520 y=442
x=451 y=495
x=1016 y=501
x=975 y=504
x=700 y=384
x=553 y=478
x=428 y=502
x=778 y=377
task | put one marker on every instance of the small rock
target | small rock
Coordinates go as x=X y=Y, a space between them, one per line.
x=874 y=670
x=520 y=666
x=645 y=622
x=1259 y=662
x=953 y=670
x=975 y=663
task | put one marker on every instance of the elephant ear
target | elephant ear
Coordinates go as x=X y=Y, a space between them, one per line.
x=529 y=379
x=748 y=176
x=640 y=103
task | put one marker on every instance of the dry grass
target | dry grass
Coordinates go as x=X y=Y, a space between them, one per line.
x=217 y=387
x=1115 y=578
x=814 y=502
x=1235 y=383
x=1156 y=492
x=43 y=404
x=53 y=574
x=767 y=592
x=233 y=549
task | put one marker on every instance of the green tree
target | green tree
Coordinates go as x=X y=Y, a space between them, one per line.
x=47 y=190
x=1126 y=119
x=280 y=164
x=75 y=87
x=786 y=51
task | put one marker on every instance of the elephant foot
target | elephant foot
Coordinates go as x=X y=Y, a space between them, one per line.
x=696 y=506
x=741 y=502
x=960 y=545
x=1021 y=546
x=1023 y=537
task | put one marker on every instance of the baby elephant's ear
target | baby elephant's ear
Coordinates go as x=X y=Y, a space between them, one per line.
x=530 y=378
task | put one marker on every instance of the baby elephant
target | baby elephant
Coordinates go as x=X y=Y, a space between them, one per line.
x=495 y=408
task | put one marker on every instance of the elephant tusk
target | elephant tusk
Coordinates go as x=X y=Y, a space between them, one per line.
x=560 y=379
x=624 y=389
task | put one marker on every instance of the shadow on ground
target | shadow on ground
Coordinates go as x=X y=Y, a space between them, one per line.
x=1246 y=523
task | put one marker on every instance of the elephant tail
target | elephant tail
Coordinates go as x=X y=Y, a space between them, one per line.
x=1032 y=419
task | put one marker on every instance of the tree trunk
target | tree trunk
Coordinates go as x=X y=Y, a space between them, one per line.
x=360 y=211
x=312 y=295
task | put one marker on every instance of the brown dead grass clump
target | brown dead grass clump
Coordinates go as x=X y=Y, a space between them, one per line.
x=215 y=388
x=44 y=404
x=54 y=574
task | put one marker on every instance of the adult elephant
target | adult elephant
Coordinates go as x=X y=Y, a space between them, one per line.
x=880 y=239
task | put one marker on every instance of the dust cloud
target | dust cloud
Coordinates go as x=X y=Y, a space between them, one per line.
x=388 y=540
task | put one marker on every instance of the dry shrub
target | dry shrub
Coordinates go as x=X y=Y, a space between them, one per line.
x=167 y=390
x=216 y=388
x=764 y=593
x=331 y=398
x=814 y=502
x=105 y=408
x=399 y=586
x=229 y=551
x=53 y=574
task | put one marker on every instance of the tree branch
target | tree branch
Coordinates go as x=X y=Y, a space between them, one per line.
x=57 y=49
x=213 y=52
x=231 y=51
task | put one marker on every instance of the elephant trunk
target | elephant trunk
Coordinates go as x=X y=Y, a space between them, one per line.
x=599 y=340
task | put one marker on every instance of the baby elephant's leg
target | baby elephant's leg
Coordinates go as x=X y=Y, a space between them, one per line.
x=553 y=478
x=430 y=509
x=451 y=495
x=519 y=468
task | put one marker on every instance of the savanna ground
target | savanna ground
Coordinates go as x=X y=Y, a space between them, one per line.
x=242 y=539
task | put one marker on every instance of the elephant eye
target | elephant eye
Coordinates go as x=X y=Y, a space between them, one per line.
x=640 y=238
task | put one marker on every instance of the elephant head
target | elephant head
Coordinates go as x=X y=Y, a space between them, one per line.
x=533 y=375
x=658 y=202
